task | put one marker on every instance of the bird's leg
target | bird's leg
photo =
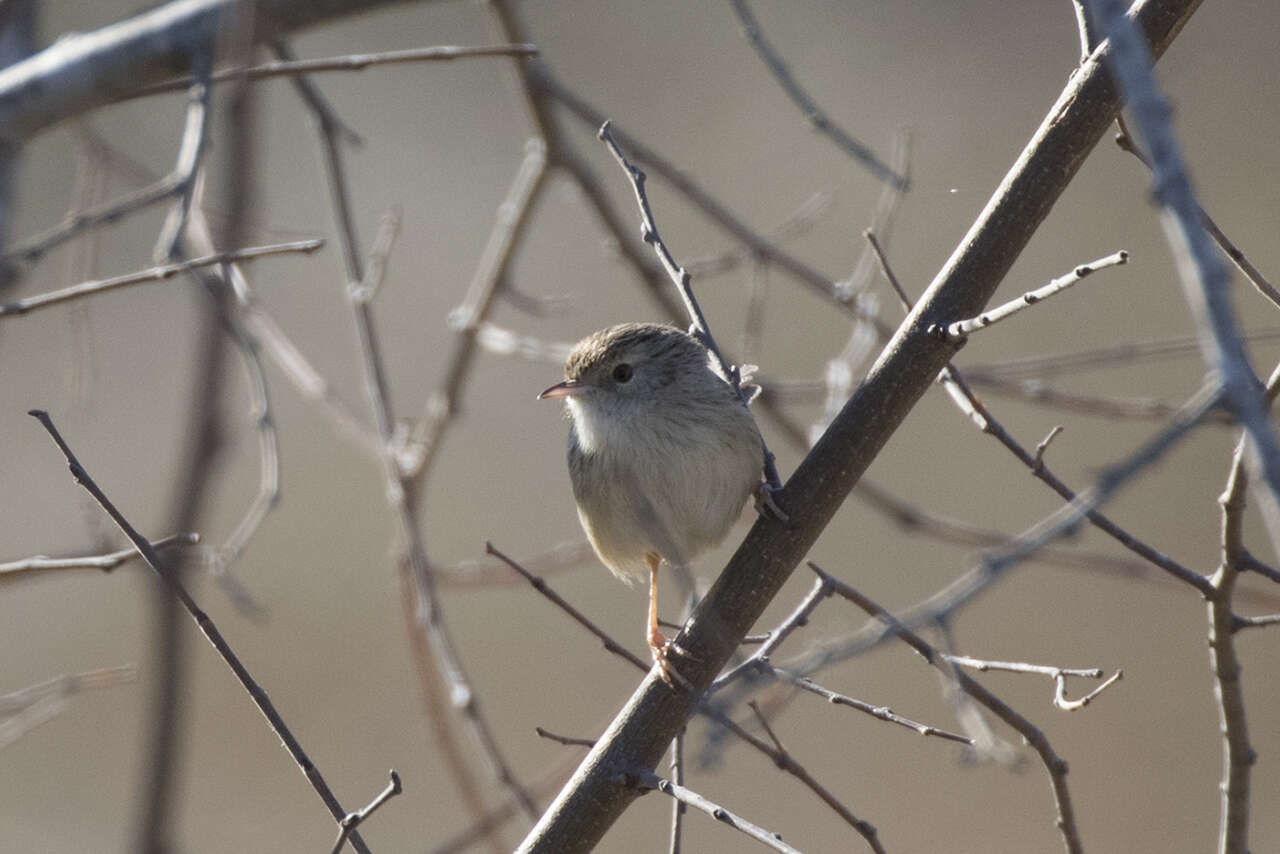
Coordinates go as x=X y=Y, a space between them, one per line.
x=659 y=646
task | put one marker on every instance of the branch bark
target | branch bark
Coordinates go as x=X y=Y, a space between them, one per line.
x=597 y=794
x=88 y=70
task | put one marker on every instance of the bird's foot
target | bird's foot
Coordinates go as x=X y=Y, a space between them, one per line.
x=664 y=652
x=765 y=504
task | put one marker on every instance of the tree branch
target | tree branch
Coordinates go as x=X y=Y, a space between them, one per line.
x=87 y=70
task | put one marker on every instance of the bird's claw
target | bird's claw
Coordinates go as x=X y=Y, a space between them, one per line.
x=663 y=651
x=764 y=502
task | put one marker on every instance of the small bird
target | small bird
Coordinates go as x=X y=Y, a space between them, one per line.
x=663 y=454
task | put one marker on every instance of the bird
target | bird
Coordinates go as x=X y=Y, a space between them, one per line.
x=663 y=454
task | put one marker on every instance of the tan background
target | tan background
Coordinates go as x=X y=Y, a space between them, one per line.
x=972 y=79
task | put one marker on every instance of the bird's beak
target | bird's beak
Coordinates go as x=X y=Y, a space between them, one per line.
x=568 y=388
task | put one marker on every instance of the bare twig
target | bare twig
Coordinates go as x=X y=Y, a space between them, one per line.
x=37 y=713
x=1238 y=755
x=190 y=155
x=568 y=741
x=678 y=807
x=645 y=779
x=814 y=114
x=161 y=273
x=16 y=569
x=1060 y=693
x=1086 y=28
x=581 y=619
x=353 y=820
x=881 y=713
x=1057 y=674
x=202 y=620
x=495 y=573
x=1228 y=247
x=958 y=330
x=350 y=62
x=1256 y=622
x=34 y=247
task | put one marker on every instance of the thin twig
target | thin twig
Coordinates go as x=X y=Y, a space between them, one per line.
x=678 y=807
x=960 y=329
x=568 y=741
x=160 y=273
x=880 y=713
x=647 y=780
x=915 y=519
x=815 y=115
x=982 y=665
x=1057 y=674
x=581 y=619
x=1060 y=693
x=16 y=569
x=33 y=248
x=202 y=620
x=353 y=820
x=190 y=155
x=1228 y=247
x=1238 y=755
x=350 y=62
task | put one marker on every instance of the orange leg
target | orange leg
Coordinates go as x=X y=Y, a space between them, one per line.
x=657 y=641
x=661 y=648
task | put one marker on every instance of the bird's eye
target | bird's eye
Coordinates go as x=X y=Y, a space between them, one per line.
x=622 y=372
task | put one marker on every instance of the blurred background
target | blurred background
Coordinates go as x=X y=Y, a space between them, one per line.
x=971 y=80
